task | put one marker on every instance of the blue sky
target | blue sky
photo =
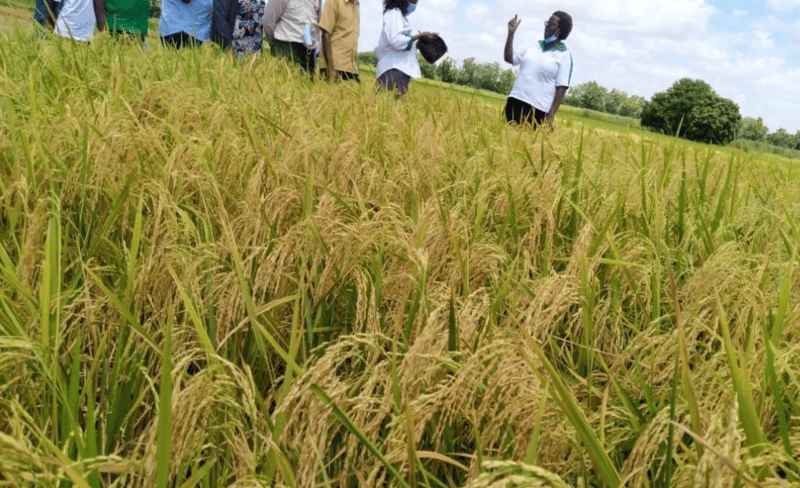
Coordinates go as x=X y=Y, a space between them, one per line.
x=748 y=51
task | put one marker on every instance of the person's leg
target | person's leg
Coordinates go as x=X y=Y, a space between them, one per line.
x=539 y=116
x=347 y=76
x=518 y=111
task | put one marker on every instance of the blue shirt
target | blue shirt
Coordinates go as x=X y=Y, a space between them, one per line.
x=193 y=18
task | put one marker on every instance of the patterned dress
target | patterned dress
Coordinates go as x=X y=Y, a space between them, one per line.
x=249 y=30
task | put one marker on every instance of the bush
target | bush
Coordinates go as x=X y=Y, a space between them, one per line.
x=691 y=109
x=747 y=145
x=753 y=129
x=369 y=58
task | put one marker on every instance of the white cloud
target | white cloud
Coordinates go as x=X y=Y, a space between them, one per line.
x=784 y=4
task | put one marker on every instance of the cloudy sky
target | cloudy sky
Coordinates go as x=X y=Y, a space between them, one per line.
x=747 y=50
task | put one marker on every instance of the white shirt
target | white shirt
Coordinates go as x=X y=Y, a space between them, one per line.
x=395 y=49
x=284 y=20
x=76 y=20
x=540 y=73
x=193 y=19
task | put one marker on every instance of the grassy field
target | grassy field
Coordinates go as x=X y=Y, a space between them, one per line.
x=216 y=273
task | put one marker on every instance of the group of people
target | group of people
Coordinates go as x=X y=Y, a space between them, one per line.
x=303 y=30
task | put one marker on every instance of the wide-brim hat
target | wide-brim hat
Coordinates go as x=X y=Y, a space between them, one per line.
x=432 y=50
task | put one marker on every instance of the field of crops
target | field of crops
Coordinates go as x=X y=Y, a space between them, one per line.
x=216 y=273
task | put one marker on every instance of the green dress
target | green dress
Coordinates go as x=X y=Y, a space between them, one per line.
x=128 y=15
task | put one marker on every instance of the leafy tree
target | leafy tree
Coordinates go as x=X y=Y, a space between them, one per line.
x=615 y=100
x=593 y=96
x=506 y=81
x=447 y=70
x=781 y=138
x=428 y=70
x=753 y=129
x=369 y=58
x=691 y=109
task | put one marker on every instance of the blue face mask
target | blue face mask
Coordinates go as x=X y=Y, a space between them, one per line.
x=411 y=8
x=550 y=39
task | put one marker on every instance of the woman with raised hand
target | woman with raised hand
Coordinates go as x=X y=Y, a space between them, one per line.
x=397 y=53
x=545 y=72
x=185 y=22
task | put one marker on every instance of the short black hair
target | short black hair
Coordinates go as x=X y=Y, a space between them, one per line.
x=564 y=24
x=399 y=4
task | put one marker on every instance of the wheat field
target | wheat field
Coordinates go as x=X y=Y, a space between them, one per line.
x=216 y=273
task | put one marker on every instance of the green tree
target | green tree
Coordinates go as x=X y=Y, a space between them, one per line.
x=691 y=109
x=368 y=57
x=753 y=129
x=615 y=101
x=428 y=70
x=592 y=96
x=447 y=70
x=506 y=82
x=781 y=138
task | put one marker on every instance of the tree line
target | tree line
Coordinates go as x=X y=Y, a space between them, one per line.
x=483 y=76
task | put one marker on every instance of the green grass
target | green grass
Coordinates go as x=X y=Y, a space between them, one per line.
x=215 y=272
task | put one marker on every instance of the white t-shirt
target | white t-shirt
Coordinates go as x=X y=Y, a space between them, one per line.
x=76 y=20
x=395 y=49
x=540 y=73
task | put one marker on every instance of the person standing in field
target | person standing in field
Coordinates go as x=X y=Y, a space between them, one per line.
x=339 y=23
x=397 y=54
x=238 y=24
x=128 y=17
x=77 y=19
x=291 y=27
x=185 y=22
x=545 y=72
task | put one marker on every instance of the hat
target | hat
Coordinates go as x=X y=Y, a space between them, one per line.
x=433 y=49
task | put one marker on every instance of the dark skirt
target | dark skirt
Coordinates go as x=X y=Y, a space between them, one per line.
x=394 y=79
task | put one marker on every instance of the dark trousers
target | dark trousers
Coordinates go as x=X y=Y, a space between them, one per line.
x=394 y=79
x=343 y=75
x=180 y=39
x=521 y=112
x=296 y=52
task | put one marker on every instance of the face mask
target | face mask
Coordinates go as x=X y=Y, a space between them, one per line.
x=550 y=39
x=411 y=8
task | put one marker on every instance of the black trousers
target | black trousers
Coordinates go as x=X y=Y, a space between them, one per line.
x=343 y=75
x=180 y=39
x=521 y=112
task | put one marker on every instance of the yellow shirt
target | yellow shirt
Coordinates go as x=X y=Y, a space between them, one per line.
x=340 y=19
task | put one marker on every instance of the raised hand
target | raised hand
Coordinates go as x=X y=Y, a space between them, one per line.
x=513 y=24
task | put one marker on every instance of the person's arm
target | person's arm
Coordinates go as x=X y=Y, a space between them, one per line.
x=100 y=13
x=423 y=35
x=272 y=14
x=327 y=22
x=399 y=39
x=561 y=91
x=508 y=53
x=327 y=54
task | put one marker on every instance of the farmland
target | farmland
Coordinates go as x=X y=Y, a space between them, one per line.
x=215 y=272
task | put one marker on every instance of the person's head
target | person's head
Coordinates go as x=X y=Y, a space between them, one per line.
x=399 y=4
x=559 y=24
